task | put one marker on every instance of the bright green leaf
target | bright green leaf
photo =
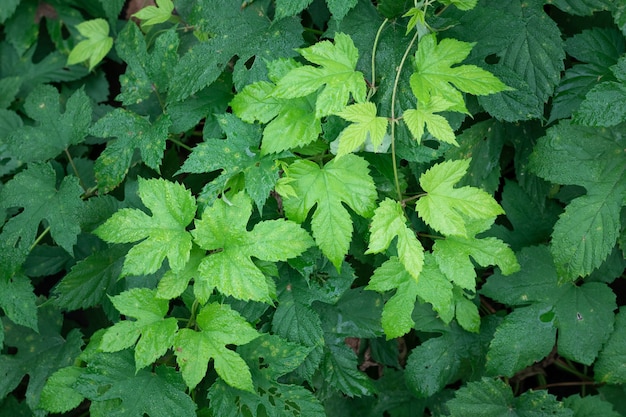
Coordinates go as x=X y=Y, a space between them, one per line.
x=57 y=395
x=219 y=326
x=172 y=208
x=448 y=209
x=336 y=72
x=153 y=15
x=97 y=44
x=389 y=221
x=155 y=333
x=230 y=268
x=344 y=180
x=365 y=125
x=434 y=74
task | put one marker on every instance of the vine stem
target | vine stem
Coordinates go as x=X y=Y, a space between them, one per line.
x=179 y=143
x=374 y=48
x=393 y=116
x=75 y=169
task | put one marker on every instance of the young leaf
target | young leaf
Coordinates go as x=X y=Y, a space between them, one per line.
x=365 y=125
x=111 y=377
x=95 y=47
x=291 y=122
x=155 y=333
x=230 y=268
x=219 y=326
x=434 y=74
x=587 y=231
x=237 y=154
x=153 y=15
x=448 y=209
x=389 y=221
x=336 y=72
x=54 y=131
x=132 y=132
x=424 y=115
x=432 y=287
x=173 y=208
x=494 y=398
x=344 y=180
x=61 y=207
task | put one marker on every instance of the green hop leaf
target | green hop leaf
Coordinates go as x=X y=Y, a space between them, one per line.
x=155 y=333
x=95 y=47
x=365 y=125
x=229 y=266
x=342 y=180
x=449 y=210
x=336 y=72
x=173 y=208
x=424 y=115
x=153 y=15
x=219 y=326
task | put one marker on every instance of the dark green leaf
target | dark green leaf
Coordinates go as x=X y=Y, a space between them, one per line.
x=611 y=364
x=590 y=406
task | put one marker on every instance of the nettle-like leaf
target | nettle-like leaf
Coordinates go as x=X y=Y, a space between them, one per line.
x=389 y=222
x=54 y=131
x=38 y=354
x=526 y=46
x=231 y=30
x=97 y=44
x=336 y=72
x=610 y=365
x=342 y=180
x=494 y=398
x=236 y=155
x=582 y=314
x=435 y=75
x=432 y=287
x=268 y=357
x=604 y=104
x=338 y=8
x=365 y=126
x=18 y=302
x=424 y=116
x=291 y=122
x=172 y=208
x=116 y=389
x=60 y=207
x=153 y=15
x=219 y=326
x=229 y=267
x=593 y=158
x=132 y=132
x=448 y=209
x=154 y=332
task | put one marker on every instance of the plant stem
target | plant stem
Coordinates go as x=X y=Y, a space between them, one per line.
x=39 y=238
x=179 y=143
x=374 y=48
x=393 y=116
x=71 y=161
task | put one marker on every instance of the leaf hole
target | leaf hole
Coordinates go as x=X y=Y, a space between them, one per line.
x=492 y=59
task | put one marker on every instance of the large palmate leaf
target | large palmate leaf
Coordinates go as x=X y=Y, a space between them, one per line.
x=111 y=382
x=343 y=180
x=172 y=208
x=593 y=158
x=336 y=73
x=154 y=332
x=131 y=132
x=230 y=268
x=60 y=206
x=219 y=326
x=54 y=131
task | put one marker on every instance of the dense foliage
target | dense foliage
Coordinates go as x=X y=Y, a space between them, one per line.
x=312 y=208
